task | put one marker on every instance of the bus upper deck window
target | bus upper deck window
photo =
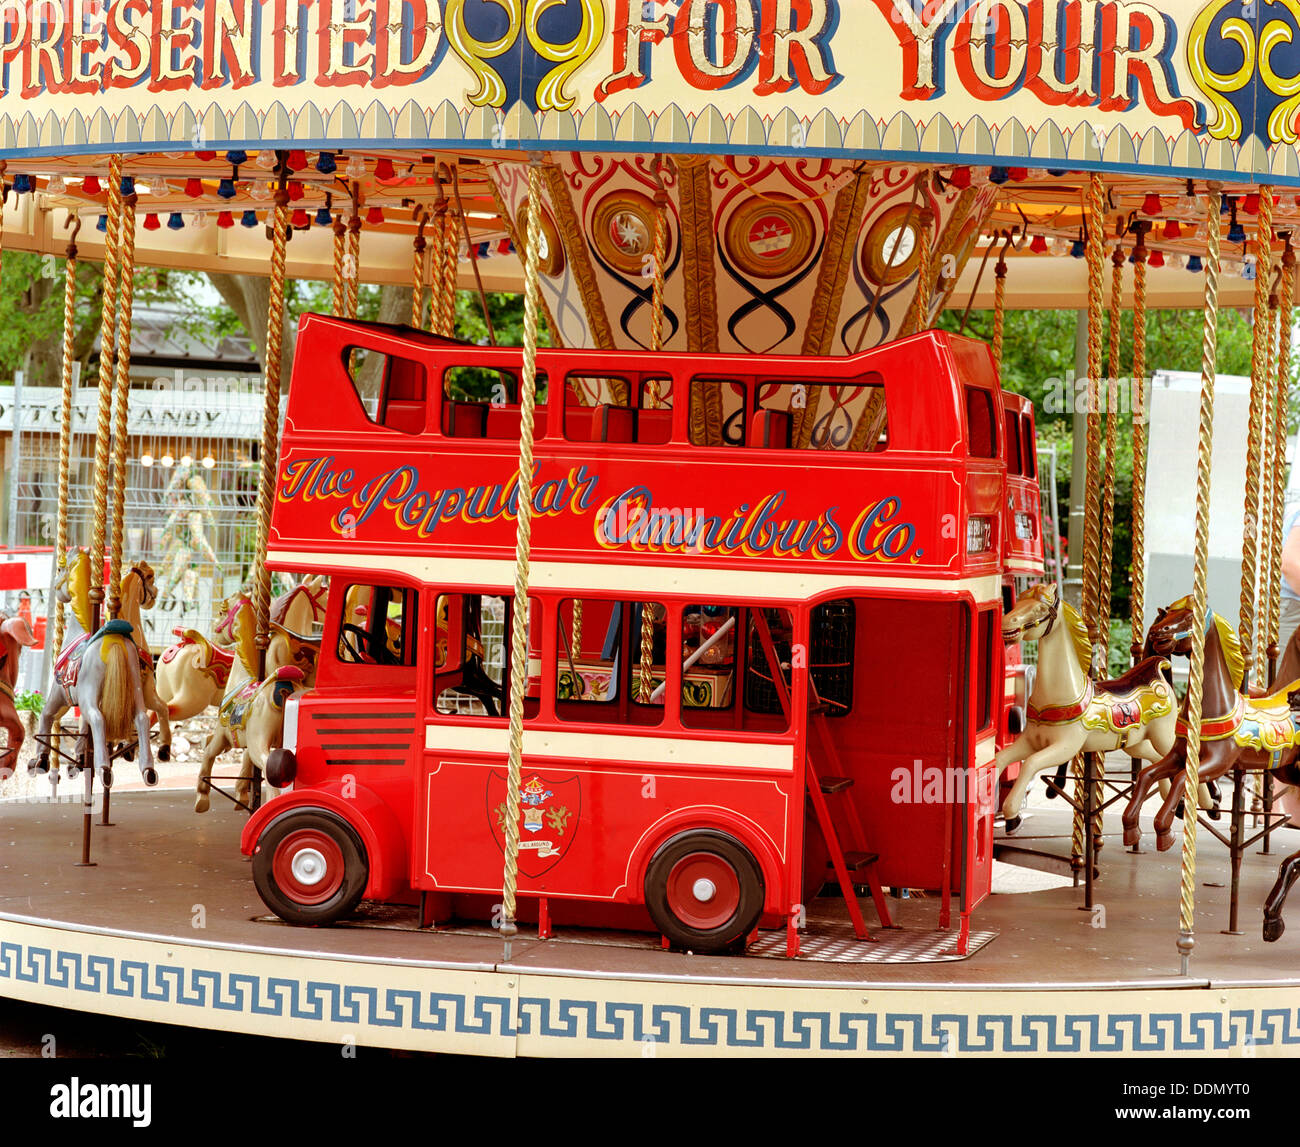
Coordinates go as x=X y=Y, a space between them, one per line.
x=981 y=427
x=618 y=408
x=482 y=402
x=717 y=416
x=393 y=391
x=1029 y=446
x=825 y=416
x=1015 y=465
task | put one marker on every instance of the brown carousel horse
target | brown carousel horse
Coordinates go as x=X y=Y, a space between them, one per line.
x=1237 y=732
x=1069 y=713
x=15 y=633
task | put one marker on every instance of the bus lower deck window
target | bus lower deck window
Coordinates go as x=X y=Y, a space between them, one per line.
x=472 y=670
x=378 y=626
x=610 y=661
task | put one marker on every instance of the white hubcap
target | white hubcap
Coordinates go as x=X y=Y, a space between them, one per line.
x=308 y=867
x=704 y=890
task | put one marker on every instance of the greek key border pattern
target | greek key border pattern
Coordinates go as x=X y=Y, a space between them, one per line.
x=682 y=1025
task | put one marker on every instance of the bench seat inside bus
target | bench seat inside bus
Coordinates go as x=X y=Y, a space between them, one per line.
x=582 y=423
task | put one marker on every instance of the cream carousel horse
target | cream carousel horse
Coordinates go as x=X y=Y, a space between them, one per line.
x=15 y=633
x=252 y=710
x=107 y=674
x=1069 y=713
x=193 y=672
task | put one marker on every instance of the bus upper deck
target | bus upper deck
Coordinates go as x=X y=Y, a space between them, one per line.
x=402 y=449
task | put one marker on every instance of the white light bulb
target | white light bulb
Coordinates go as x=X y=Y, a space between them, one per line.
x=260 y=191
x=187 y=459
x=356 y=168
x=168 y=460
x=208 y=461
x=55 y=185
x=146 y=459
x=265 y=160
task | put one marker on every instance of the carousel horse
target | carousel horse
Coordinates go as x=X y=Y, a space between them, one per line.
x=193 y=672
x=107 y=674
x=15 y=633
x=1069 y=713
x=1237 y=732
x=251 y=715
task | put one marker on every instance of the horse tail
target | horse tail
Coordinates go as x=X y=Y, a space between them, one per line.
x=117 y=693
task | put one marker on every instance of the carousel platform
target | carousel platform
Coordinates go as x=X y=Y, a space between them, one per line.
x=168 y=927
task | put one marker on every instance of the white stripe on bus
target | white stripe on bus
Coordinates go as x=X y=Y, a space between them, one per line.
x=703 y=582
x=614 y=747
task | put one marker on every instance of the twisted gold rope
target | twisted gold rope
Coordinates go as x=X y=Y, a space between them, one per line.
x=1265 y=579
x=1092 y=505
x=437 y=279
x=340 y=246
x=646 y=675
x=1282 y=398
x=450 y=271
x=999 y=308
x=125 y=301
x=1137 y=569
x=419 y=260
x=1258 y=398
x=523 y=545
x=1196 y=681
x=269 y=462
x=65 y=451
x=352 y=282
x=107 y=343
x=1105 y=559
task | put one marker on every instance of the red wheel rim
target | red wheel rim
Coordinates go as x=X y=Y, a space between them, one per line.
x=308 y=866
x=703 y=891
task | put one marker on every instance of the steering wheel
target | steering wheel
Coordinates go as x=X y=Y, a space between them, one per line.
x=478 y=684
x=346 y=632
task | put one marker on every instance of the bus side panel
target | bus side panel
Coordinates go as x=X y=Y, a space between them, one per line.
x=587 y=829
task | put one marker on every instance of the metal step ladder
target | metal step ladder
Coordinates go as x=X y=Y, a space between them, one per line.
x=858 y=860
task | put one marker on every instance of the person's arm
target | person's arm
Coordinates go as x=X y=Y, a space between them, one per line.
x=1291 y=558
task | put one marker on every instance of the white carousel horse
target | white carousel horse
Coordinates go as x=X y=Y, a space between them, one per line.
x=193 y=673
x=1069 y=713
x=107 y=674
x=252 y=710
x=15 y=633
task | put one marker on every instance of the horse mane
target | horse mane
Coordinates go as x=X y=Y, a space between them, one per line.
x=245 y=630
x=78 y=586
x=1231 y=645
x=1078 y=635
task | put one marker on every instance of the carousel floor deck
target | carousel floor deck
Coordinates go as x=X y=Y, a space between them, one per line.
x=168 y=927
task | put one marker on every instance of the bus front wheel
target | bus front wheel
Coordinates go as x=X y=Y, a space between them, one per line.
x=310 y=867
x=704 y=891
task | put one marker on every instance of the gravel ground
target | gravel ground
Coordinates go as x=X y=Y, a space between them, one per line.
x=188 y=739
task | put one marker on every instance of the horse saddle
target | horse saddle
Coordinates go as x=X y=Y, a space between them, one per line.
x=67 y=666
x=235 y=709
x=1135 y=698
x=217 y=662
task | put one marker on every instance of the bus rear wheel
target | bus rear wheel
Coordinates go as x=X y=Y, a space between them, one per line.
x=310 y=867
x=704 y=891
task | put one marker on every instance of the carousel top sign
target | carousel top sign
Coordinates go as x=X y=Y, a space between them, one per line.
x=1191 y=87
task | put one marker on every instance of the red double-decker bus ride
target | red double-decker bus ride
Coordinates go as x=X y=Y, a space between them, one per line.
x=751 y=578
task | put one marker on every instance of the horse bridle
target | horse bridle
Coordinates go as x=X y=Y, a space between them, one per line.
x=1053 y=612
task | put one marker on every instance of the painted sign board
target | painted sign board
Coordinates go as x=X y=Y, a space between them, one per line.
x=1190 y=87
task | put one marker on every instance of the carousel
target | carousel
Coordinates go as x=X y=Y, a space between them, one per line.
x=663 y=178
